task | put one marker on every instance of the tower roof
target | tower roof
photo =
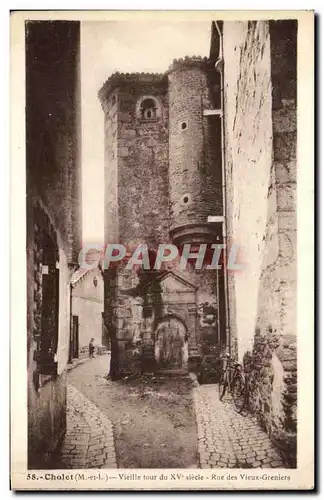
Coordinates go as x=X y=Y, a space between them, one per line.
x=189 y=62
x=121 y=79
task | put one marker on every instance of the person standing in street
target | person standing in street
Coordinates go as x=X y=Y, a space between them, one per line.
x=92 y=348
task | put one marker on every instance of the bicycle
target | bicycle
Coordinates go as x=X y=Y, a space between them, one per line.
x=233 y=380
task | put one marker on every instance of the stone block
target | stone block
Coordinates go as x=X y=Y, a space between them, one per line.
x=287 y=221
x=287 y=246
x=284 y=120
x=284 y=146
x=125 y=117
x=288 y=341
x=277 y=464
x=271 y=249
x=286 y=197
x=291 y=365
x=285 y=171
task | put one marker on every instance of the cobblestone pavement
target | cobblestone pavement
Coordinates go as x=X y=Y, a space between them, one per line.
x=89 y=439
x=227 y=439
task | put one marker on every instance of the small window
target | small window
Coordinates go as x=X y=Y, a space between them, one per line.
x=185 y=199
x=184 y=125
x=148 y=109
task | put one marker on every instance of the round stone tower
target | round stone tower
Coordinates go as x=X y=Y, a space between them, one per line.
x=194 y=153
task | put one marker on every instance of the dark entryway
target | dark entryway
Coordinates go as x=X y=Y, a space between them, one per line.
x=171 y=346
x=74 y=344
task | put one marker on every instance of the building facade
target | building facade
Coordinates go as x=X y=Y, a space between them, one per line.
x=163 y=179
x=259 y=61
x=53 y=224
x=87 y=290
x=210 y=137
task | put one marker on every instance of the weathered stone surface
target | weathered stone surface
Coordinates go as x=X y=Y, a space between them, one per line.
x=53 y=191
x=159 y=174
x=194 y=150
x=287 y=221
x=286 y=197
x=285 y=120
x=248 y=146
x=263 y=56
x=287 y=245
x=285 y=146
x=285 y=171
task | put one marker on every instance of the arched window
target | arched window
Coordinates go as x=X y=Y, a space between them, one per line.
x=148 y=109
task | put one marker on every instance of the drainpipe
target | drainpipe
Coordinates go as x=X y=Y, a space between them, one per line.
x=219 y=66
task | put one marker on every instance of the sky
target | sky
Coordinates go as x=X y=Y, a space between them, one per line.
x=124 y=46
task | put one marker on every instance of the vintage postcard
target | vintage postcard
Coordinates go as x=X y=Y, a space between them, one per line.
x=162 y=234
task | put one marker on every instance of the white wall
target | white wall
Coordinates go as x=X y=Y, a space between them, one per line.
x=87 y=304
x=64 y=314
x=248 y=122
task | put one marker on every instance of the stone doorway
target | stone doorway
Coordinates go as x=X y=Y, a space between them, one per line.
x=171 y=345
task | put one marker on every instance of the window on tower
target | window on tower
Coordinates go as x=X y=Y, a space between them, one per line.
x=148 y=109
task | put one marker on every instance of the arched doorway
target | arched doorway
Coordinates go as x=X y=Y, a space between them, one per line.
x=171 y=344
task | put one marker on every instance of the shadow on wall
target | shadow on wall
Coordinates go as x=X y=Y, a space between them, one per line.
x=272 y=385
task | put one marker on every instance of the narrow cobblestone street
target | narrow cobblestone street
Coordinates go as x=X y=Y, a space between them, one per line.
x=146 y=423
x=224 y=439
x=89 y=440
x=227 y=439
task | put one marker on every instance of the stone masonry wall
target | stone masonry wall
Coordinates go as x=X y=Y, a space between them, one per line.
x=53 y=126
x=139 y=303
x=53 y=184
x=142 y=167
x=265 y=70
x=280 y=275
x=195 y=160
x=111 y=169
x=137 y=192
